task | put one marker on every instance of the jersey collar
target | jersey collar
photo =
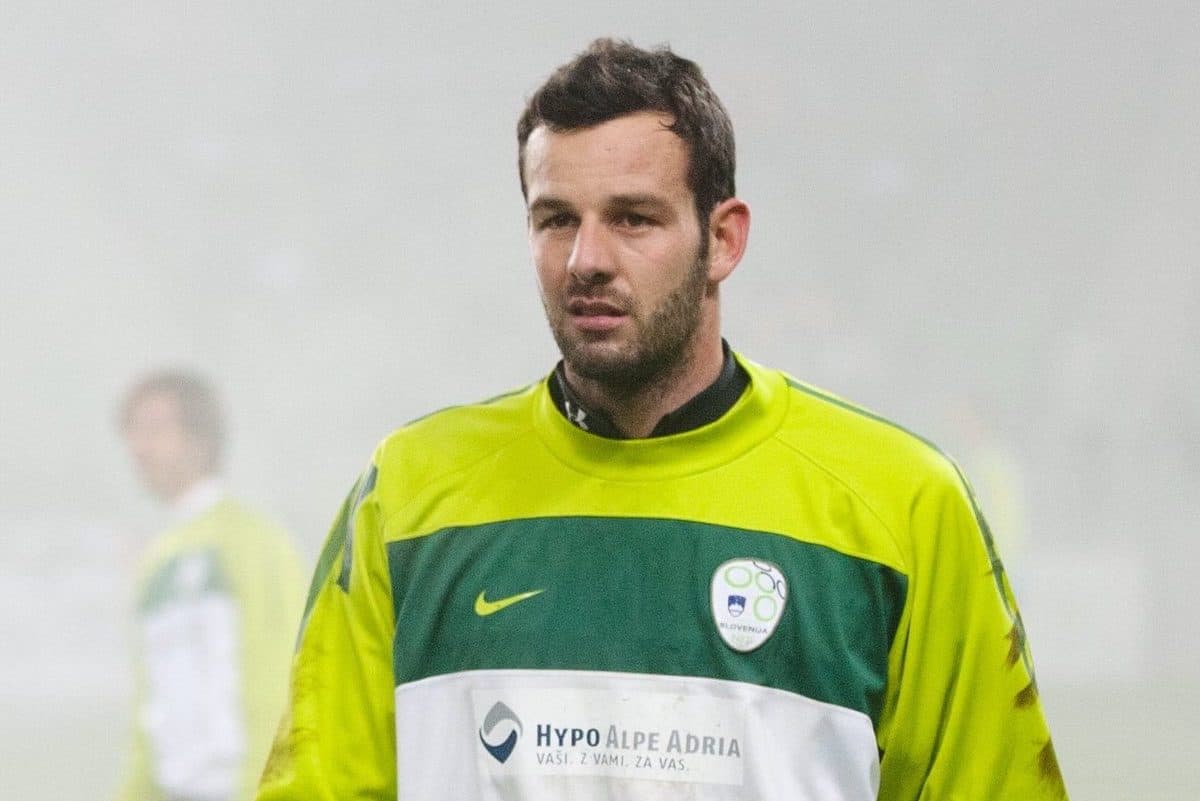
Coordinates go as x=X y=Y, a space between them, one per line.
x=704 y=408
x=756 y=415
x=197 y=499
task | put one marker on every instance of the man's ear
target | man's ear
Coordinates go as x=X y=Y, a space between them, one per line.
x=728 y=232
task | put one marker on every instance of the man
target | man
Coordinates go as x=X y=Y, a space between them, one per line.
x=663 y=571
x=218 y=599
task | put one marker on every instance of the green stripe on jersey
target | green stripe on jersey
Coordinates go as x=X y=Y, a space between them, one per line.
x=186 y=576
x=336 y=545
x=365 y=485
x=633 y=595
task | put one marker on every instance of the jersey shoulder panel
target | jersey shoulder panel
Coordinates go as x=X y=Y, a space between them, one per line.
x=246 y=544
x=450 y=440
x=886 y=466
x=229 y=523
x=860 y=433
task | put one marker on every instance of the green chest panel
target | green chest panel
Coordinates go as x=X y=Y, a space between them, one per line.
x=635 y=595
x=186 y=576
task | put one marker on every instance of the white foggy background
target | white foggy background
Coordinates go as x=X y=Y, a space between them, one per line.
x=956 y=207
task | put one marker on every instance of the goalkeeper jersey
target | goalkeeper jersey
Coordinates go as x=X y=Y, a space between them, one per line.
x=218 y=600
x=796 y=602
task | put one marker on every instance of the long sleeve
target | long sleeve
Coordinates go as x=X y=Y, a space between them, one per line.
x=337 y=737
x=136 y=783
x=962 y=720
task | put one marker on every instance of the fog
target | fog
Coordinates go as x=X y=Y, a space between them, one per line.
x=978 y=220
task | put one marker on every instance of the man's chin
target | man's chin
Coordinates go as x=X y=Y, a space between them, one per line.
x=601 y=361
x=617 y=370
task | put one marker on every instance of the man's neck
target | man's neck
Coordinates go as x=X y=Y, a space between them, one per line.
x=200 y=496
x=637 y=410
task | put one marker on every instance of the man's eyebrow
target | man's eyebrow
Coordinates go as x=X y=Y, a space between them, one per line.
x=638 y=200
x=549 y=203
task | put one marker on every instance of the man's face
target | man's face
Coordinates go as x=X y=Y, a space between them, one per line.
x=617 y=246
x=169 y=458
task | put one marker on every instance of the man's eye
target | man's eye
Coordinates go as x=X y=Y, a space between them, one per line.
x=633 y=220
x=562 y=220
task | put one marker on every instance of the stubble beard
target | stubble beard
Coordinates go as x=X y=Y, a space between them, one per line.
x=659 y=346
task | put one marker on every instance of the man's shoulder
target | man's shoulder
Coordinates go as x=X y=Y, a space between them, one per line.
x=234 y=511
x=859 y=445
x=228 y=527
x=456 y=435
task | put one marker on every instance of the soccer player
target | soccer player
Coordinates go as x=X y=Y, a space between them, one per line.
x=218 y=599
x=663 y=571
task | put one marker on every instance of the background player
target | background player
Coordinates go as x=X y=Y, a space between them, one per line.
x=217 y=602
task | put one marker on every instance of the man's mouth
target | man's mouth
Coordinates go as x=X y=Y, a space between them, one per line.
x=594 y=306
x=595 y=315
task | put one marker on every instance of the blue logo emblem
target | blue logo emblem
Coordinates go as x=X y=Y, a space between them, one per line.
x=497 y=715
x=737 y=605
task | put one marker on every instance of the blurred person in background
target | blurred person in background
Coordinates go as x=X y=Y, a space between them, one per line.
x=662 y=571
x=217 y=598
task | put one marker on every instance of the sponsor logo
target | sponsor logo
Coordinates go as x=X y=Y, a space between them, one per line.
x=671 y=737
x=617 y=738
x=484 y=607
x=576 y=414
x=748 y=599
x=498 y=720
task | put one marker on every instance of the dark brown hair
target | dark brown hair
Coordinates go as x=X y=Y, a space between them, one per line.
x=613 y=78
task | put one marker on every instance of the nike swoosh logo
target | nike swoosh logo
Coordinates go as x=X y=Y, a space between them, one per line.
x=484 y=607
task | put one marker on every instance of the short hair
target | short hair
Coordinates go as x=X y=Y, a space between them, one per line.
x=200 y=411
x=613 y=78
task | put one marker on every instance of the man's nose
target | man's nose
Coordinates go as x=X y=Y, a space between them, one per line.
x=591 y=259
x=138 y=444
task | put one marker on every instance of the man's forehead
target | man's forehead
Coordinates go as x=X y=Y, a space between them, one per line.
x=159 y=405
x=635 y=148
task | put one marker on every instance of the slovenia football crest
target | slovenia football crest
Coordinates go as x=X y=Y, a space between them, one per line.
x=748 y=597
